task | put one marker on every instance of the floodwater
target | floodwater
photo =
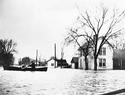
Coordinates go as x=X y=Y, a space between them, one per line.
x=61 y=82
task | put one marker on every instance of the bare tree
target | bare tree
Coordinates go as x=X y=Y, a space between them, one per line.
x=7 y=46
x=119 y=44
x=83 y=47
x=7 y=49
x=99 y=28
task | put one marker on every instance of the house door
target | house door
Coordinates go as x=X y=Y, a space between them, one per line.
x=76 y=65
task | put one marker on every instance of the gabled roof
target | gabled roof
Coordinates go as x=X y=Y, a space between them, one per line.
x=74 y=60
x=90 y=43
x=118 y=53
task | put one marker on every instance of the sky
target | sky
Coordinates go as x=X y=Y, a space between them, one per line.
x=39 y=24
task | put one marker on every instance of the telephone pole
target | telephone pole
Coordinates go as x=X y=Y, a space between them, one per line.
x=36 y=56
x=55 y=53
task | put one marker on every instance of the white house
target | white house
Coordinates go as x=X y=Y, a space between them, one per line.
x=104 y=61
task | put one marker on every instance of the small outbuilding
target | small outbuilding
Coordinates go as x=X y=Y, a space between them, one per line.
x=75 y=62
x=62 y=63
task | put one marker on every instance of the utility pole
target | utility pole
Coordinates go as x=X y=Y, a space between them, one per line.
x=62 y=54
x=55 y=53
x=36 y=56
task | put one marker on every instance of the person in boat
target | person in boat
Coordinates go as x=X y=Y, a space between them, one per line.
x=24 y=66
x=33 y=65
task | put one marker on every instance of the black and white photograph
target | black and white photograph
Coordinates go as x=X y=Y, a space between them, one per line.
x=62 y=47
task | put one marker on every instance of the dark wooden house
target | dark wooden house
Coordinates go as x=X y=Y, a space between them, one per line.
x=62 y=63
x=118 y=59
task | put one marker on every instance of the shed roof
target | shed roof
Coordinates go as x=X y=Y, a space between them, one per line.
x=74 y=60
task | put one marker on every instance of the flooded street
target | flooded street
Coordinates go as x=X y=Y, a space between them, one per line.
x=60 y=82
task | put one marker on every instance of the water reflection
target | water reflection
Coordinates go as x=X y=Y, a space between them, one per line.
x=60 y=82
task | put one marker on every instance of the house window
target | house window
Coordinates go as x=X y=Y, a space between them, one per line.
x=102 y=62
x=102 y=51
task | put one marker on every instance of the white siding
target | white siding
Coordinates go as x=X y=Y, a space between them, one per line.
x=108 y=57
x=73 y=65
x=81 y=63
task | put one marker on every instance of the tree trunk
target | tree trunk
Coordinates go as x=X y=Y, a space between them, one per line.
x=95 y=63
x=86 y=63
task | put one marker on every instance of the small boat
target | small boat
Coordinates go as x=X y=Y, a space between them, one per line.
x=27 y=67
x=19 y=68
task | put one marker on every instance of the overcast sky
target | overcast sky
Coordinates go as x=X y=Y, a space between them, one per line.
x=38 y=24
